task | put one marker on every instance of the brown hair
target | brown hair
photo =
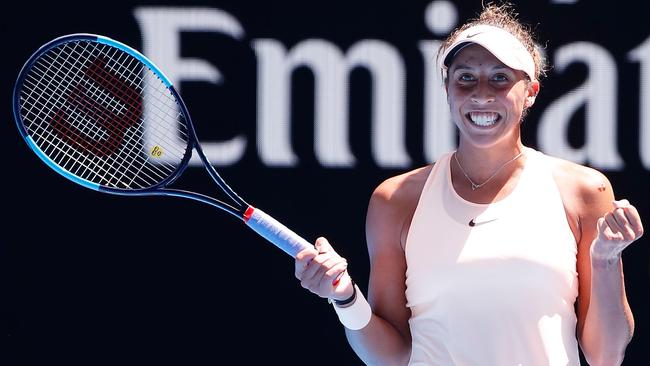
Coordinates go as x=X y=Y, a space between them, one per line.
x=504 y=17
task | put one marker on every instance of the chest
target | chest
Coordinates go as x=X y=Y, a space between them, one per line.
x=524 y=247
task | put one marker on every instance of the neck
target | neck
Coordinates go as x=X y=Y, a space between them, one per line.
x=481 y=163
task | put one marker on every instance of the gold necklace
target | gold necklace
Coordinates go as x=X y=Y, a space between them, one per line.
x=477 y=186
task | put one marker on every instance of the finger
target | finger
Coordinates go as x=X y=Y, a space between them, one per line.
x=337 y=279
x=624 y=224
x=299 y=271
x=315 y=265
x=323 y=245
x=313 y=277
x=604 y=231
x=306 y=255
x=336 y=272
x=335 y=275
x=634 y=220
x=615 y=230
x=325 y=266
x=621 y=203
x=631 y=215
x=302 y=261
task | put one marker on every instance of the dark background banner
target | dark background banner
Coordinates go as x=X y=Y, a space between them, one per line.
x=305 y=106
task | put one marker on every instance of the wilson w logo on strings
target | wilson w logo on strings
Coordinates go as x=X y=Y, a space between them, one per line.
x=113 y=103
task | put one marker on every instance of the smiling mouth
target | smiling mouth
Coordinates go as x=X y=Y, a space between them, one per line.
x=483 y=119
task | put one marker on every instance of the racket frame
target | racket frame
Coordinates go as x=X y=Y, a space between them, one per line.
x=256 y=219
x=159 y=188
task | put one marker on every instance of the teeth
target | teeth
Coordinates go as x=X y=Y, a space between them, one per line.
x=483 y=119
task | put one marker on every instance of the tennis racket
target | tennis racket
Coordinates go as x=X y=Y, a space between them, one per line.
x=104 y=116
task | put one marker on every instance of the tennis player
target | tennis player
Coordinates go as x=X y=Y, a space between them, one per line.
x=496 y=254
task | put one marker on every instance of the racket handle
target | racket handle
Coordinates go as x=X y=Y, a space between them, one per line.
x=275 y=232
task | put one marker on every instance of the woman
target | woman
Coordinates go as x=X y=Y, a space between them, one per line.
x=496 y=254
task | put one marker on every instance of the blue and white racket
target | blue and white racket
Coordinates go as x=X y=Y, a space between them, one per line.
x=104 y=116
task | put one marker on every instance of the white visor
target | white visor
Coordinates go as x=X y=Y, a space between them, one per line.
x=501 y=43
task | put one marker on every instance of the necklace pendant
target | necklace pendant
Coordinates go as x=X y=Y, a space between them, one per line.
x=476 y=186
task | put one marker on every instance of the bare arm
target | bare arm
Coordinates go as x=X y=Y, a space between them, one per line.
x=605 y=321
x=386 y=339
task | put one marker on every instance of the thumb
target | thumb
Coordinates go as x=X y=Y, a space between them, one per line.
x=621 y=203
x=323 y=246
x=600 y=224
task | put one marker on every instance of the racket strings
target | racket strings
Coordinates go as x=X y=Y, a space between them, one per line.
x=77 y=115
x=58 y=147
x=89 y=85
x=67 y=150
x=94 y=124
x=88 y=129
x=97 y=73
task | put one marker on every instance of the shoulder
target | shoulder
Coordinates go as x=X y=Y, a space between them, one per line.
x=391 y=207
x=583 y=181
x=400 y=191
x=584 y=189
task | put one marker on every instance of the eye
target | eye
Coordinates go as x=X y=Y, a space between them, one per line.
x=466 y=77
x=500 y=78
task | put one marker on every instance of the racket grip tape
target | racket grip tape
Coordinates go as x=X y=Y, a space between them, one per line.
x=273 y=231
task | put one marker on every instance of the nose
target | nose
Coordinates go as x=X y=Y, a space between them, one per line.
x=482 y=99
x=482 y=94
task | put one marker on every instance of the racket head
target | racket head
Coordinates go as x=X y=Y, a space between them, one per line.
x=101 y=114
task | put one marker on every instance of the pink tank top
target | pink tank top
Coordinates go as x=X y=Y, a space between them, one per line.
x=500 y=292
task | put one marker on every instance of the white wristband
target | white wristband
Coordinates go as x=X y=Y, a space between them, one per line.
x=357 y=315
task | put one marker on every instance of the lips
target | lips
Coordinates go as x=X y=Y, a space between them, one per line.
x=483 y=119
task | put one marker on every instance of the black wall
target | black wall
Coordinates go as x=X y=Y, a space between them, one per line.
x=95 y=279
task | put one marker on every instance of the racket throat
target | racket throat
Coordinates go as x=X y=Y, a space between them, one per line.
x=248 y=213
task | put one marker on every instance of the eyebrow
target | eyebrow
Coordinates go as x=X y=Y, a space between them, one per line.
x=465 y=67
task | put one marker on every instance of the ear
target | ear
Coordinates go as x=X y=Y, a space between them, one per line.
x=532 y=89
x=446 y=87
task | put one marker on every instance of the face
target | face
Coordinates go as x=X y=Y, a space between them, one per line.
x=487 y=98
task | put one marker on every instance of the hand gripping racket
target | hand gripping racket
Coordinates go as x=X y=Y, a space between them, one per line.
x=104 y=116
